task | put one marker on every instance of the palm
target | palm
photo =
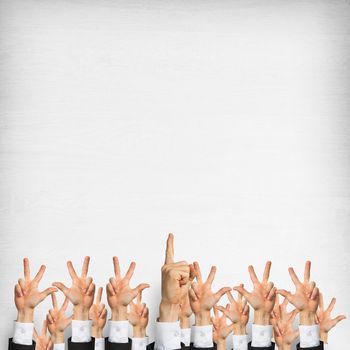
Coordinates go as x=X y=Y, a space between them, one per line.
x=77 y=293
x=27 y=295
x=263 y=296
x=61 y=322
x=202 y=298
x=282 y=320
x=119 y=292
x=136 y=318
x=82 y=291
x=237 y=311
x=324 y=318
x=220 y=328
x=306 y=296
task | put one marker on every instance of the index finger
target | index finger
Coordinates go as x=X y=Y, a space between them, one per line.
x=267 y=271
x=116 y=267
x=85 y=268
x=71 y=270
x=26 y=269
x=307 y=271
x=54 y=300
x=99 y=295
x=169 y=253
x=252 y=274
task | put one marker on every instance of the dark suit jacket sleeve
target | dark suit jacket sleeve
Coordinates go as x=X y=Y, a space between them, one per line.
x=320 y=347
x=118 y=346
x=250 y=347
x=192 y=347
x=183 y=347
x=13 y=346
x=81 y=346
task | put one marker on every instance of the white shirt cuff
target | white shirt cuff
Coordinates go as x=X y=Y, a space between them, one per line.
x=261 y=335
x=99 y=343
x=309 y=336
x=167 y=336
x=81 y=331
x=118 y=331
x=139 y=343
x=185 y=336
x=23 y=333
x=202 y=336
x=240 y=342
x=59 y=346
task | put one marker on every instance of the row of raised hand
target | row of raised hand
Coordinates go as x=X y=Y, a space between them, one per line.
x=183 y=292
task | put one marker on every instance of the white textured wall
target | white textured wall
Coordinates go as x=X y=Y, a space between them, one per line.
x=225 y=122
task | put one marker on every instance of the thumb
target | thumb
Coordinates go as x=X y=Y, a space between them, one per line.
x=140 y=288
x=241 y=290
x=61 y=287
x=45 y=293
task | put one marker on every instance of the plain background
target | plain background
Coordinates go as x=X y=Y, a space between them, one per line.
x=225 y=122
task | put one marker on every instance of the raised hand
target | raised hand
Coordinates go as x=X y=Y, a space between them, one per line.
x=324 y=319
x=175 y=279
x=202 y=298
x=43 y=341
x=119 y=292
x=57 y=322
x=27 y=295
x=220 y=329
x=138 y=317
x=81 y=293
x=98 y=315
x=263 y=296
x=238 y=313
x=185 y=312
x=306 y=295
x=282 y=322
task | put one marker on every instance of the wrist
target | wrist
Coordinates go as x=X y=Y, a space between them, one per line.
x=221 y=344
x=184 y=322
x=25 y=316
x=287 y=347
x=80 y=313
x=97 y=332
x=262 y=318
x=168 y=312
x=57 y=338
x=119 y=314
x=138 y=332
x=324 y=337
x=239 y=329
x=203 y=318
x=307 y=318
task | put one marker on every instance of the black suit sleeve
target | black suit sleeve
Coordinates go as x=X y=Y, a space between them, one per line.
x=250 y=347
x=320 y=347
x=14 y=346
x=183 y=347
x=118 y=346
x=81 y=346
x=192 y=347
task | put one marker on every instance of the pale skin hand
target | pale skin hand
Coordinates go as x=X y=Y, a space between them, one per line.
x=175 y=279
x=220 y=329
x=324 y=319
x=27 y=295
x=185 y=312
x=43 y=341
x=282 y=322
x=138 y=317
x=263 y=296
x=57 y=322
x=119 y=292
x=98 y=315
x=238 y=313
x=306 y=296
x=202 y=298
x=81 y=293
